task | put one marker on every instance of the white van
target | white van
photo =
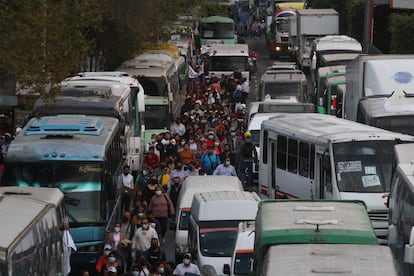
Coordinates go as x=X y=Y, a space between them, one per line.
x=242 y=260
x=192 y=185
x=214 y=221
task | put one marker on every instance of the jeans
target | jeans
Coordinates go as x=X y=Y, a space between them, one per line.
x=246 y=167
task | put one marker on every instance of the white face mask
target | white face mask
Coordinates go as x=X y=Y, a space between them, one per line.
x=227 y=163
x=144 y=226
x=158 y=192
x=161 y=270
x=117 y=229
x=186 y=261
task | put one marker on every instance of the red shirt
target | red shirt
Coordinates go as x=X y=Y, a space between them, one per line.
x=151 y=160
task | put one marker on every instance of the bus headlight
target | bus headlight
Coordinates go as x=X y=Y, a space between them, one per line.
x=277 y=48
x=208 y=270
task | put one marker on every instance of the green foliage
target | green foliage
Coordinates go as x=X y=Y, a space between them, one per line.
x=44 y=40
x=355 y=18
x=402 y=28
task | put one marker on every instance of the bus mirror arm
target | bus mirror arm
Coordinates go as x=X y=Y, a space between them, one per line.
x=409 y=249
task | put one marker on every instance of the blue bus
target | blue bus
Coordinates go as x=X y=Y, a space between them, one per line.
x=82 y=156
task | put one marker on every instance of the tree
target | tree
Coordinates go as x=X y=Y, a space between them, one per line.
x=45 y=40
x=402 y=28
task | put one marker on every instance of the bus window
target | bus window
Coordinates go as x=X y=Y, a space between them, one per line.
x=304 y=159
x=293 y=156
x=281 y=152
x=264 y=151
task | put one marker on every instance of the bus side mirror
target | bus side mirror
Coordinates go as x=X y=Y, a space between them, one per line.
x=226 y=269
x=409 y=249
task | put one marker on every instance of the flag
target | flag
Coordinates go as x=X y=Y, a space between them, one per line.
x=192 y=74
x=68 y=245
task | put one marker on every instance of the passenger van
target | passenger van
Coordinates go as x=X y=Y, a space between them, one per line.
x=284 y=85
x=293 y=222
x=401 y=209
x=242 y=260
x=214 y=221
x=192 y=185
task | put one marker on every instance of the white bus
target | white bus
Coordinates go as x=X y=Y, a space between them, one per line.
x=315 y=156
x=31 y=243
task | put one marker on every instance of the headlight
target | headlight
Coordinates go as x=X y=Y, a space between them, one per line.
x=208 y=270
x=277 y=48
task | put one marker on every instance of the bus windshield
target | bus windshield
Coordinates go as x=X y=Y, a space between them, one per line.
x=280 y=90
x=217 y=30
x=363 y=166
x=80 y=182
x=217 y=242
x=228 y=63
x=154 y=86
x=402 y=124
x=243 y=263
x=156 y=116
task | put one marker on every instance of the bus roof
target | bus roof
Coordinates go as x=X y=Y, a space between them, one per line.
x=147 y=68
x=322 y=129
x=229 y=50
x=337 y=42
x=283 y=75
x=216 y=19
x=109 y=75
x=224 y=205
x=331 y=259
x=116 y=88
x=304 y=221
x=108 y=107
x=323 y=71
x=19 y=206
x=63 y=138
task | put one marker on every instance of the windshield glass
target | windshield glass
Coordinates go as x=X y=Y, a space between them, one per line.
x=80 y=182
x=217 y=242
x=156 y=116
x=184 y=219
x=402 y=124
x=282 y=25
x=3 y=270
x=364 y=167
x=243 y=263
x=282 y=90
x=255 y=137
x=217 y=30
x=228 y=63
x=154 y=86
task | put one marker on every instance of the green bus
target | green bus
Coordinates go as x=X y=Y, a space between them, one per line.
x=217 y=30
x=283 y=222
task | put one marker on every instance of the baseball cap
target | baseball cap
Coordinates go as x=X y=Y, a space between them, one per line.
x=112 y=269
x=107 y=247
x=187 y=256
x=247 y=134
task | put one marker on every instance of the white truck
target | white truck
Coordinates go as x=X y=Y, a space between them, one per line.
x=226 y=58
x=380 y=91
x=311 y=24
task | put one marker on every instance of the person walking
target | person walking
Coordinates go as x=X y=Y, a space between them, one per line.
x=127 y=187
x=225 y=169
x=246 y=156
x=210 y=161
x=186 y=267
x=162 y=209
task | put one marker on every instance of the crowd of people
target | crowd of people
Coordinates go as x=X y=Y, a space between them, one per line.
x=209 y=138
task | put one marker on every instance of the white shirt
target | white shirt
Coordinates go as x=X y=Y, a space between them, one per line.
x=142 y=238
x=117 y=236
x=181 y=269
x=245 y=87
x=128 y=181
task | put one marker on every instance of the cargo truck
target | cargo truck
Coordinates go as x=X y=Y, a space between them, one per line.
x=311 y=24
x=379 y=91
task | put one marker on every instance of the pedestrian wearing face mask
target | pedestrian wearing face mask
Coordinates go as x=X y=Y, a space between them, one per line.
x=186 y=267
x=149 y=190
x=112 y=265
x=103 y=260
x=246 y=156
x=159 y=269
x=115 y=237
x=162 y=209
x=127 y=188
x=142 y=237
x=154 y=254
x=225 y=169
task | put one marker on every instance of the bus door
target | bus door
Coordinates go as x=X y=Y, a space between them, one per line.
x=324 y=189
x=272 y=186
